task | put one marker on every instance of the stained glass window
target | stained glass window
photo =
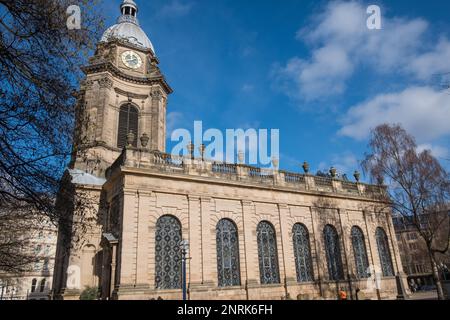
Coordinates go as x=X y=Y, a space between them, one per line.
x=360 y=253
x=227 y=254
x=384 y=253
x=168 y=253
x=302 y=252
x=333 y=253
x=267 y=253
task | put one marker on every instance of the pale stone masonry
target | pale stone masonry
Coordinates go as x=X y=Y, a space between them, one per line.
x=199 y=197
x=135 y=186
x=39 y=241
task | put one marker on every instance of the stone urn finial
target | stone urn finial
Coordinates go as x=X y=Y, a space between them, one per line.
x=380 y=180
x=275 y=162
x=333 y=172
x=130 y=138
x=305 y=167
x=357 y=175
x=144 y=140
x=241 y=156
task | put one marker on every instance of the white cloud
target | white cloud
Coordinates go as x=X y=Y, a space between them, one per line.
x=422 y=111
x=247 y=87
x=175 y=9
x=326 y=72
x=433 y=62
x=175 y=120
x=436 y=151
x=345 y=163
x=341 y=44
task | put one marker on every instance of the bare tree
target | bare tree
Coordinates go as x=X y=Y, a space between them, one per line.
x=40 y=61
x=419 y=188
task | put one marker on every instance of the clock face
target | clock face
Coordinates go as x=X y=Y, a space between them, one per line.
x=131 y=59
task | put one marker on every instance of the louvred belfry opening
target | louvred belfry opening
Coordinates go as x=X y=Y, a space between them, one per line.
x=128 y=122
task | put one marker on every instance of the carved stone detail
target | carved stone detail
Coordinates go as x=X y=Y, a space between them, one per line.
x=156 y=95
x=105 y=83
x=130 y=94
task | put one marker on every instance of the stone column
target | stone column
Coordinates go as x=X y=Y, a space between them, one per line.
x=113 y=270
x=103 y=125
x=157 y=136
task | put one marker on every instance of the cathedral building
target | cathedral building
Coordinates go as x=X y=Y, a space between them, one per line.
x=252 y=233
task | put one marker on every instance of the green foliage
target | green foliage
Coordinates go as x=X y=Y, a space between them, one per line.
x=90 y=293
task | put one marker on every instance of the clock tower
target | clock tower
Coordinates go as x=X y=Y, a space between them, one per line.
x=122 y=102
x=123 y=98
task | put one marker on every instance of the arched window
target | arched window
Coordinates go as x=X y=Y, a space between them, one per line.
x=42 y=287
x=168 y=253
x=267 y=253
x=384 y=253
x=302 y=252
x=227 y=242
x=33 y=285
x=128 y=122
x=360 y=252
x=333 y=253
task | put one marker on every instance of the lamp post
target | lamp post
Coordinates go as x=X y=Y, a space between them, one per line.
x=202 y=149
x=184 y=246
x=191 y=149
x=3 y=289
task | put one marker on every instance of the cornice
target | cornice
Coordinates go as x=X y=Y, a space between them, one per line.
x=241 y=184
x=131 y=94
x=108 y=66
x=129 y=45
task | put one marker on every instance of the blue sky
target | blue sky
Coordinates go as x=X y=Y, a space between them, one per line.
x=309 y=68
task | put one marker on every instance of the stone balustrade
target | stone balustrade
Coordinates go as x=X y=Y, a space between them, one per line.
x=156 y=161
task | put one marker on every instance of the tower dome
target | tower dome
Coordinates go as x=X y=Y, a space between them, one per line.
x=127 y=27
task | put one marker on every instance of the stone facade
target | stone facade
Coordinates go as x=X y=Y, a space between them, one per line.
x=414 y=256
x=36 y=282
x=141 y=184
x=140 y=188
x=199 y=198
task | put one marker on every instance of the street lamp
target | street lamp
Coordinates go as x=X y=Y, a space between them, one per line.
x=202 y=149
x=191 y=149
x=184 y=246
x=2 y=285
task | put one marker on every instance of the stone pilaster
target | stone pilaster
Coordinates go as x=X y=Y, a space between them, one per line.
x=347 y=249
x=286 y=240
x=316 y=250
x=195 y=241
x=143 y=239
x=128 y=245
x=208 y=256
x=251 y=251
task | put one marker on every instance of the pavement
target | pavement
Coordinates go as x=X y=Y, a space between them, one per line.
x=423 y=295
